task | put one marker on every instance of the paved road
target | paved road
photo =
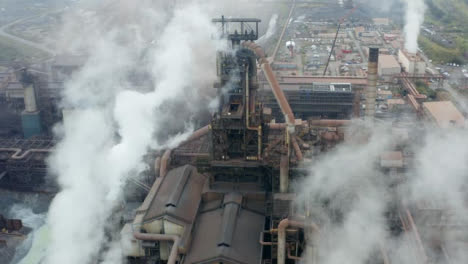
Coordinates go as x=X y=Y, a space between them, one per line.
x=358 y=45
x=26 y=42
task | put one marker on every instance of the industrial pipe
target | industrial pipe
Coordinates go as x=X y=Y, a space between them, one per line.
x=197 y=134
x=330 y=136
x=329 y=123
x=162 y=237
x=285 y=223
x=165 y=163
x=138 y=221
x=263 y=243
x=293 y=257
x=316 y=123
x=277 y=92
x=284 y=174
x=296 y=147
x=157 y=167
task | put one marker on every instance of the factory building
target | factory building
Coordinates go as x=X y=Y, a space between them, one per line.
x=388 y=65
x=444 y=114
x=313 y=100
x=411 y=63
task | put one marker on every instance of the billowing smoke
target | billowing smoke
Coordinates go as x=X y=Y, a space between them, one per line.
x=346 y=197
x=147 y=64
x=357 y=205
x=270 y=31
x=414 y=18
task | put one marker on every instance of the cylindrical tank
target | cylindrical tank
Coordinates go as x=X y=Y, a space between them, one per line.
x=30 y=99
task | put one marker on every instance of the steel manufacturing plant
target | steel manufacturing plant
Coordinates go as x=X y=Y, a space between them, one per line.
x=271 y=132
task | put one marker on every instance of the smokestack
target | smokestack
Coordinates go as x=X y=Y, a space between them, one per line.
x=30 y=104
x=371 y=91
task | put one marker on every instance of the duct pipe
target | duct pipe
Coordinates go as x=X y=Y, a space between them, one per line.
x=157 y=167
x=277 y=92
x=285 y=223
x=162 y=237
x=263 y=243
x=165 y=163
x=329 y=123
x=371 y=91
x=197 y=134
x=293 y=257
x=284 y=174
x=138 y=221
x=30 y=104
x=317 y=123
x=296 y=147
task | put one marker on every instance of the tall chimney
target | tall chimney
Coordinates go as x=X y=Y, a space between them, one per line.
x=371 y=91
x=30 y=104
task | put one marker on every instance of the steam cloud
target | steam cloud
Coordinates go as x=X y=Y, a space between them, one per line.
x=113 y=122
x=414 y=19
x=349 y=197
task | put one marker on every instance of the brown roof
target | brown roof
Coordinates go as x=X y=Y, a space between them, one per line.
x=388 y=61
x=444 y=113
x=177 y=199
x=178 y=195
x=227 y=234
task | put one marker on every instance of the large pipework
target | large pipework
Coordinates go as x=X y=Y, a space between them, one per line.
x=329 y=123
x=277 y=92
x=197 y=134
x=284 y=174
x=164 y=163
x=162 y=237
x=285 y=223
x=138 y=221
x=371 y=91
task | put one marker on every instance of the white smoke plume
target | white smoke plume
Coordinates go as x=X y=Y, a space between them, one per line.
x=415 y=10
x=350 y=197
x=270 y=31
x=345 y=180
x=112 y=123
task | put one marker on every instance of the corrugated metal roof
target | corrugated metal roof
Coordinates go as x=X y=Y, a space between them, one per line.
x=444 y=113
x=228 y=234
x=388 y=61
x=178 y=196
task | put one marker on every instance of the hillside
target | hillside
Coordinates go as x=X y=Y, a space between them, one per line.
x=449 y=18
x=449 y=13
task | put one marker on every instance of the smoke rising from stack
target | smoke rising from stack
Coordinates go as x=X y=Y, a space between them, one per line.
x=415 y=10
x=113 y=122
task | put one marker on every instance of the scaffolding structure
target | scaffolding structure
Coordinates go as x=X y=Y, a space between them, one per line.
x=23 y=164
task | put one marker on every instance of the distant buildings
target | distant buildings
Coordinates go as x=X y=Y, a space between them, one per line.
x=388 y=65
x=444 y=114
x=411 y=62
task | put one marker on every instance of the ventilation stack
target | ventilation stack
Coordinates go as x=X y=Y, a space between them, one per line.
x=30 y=118
x=371 y=90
